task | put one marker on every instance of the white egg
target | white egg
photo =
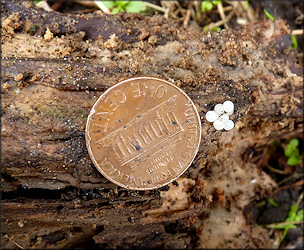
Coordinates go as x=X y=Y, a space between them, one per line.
x=211 y=116
x=218 y=125
x=224 y=117
x=219 y=108
x=228 y=125
x=229 y=113
x=228 y=106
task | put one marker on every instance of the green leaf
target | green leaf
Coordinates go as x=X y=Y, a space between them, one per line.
x=292 y=212
x=292 y=152
x=115 y=10
x=122 y=4
x=288 y=151
x=206 y=6
x=216 y=2
x=293 y=216
x=294 y=142
x=285 y=231
x=294 y=208
x=216 y=29
x=246 y=4
x=272 y=202
x=109 y=4
x=135 y=6
x=294 y=160
x=300 y=215
x=297 y=152
x=268 y=15
x=295 y=46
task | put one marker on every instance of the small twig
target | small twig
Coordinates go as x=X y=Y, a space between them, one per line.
x=278 y=171
x=260 y=204
x=180 y=9
x=166 y=14
x=222 y=14
x=233 y=3
x=299 y=19
x=101 y=6
x=300 y=199
x=295 y=133
x=248 y=11
x=227 y=8
x=274 y=225
x=154 y=6
x=86 y=3
x=284 y=92
x=83 y=11
x=197 y=7
x=219 y=23
x=300 y=55
x=44 y=5
x=293 y=185
x=297 y=32
x=288 y=178
x=188 y=14
x=10 y=239
x=167 y=9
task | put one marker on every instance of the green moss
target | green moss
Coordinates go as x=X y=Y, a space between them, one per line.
x=33 y=29
x=292 y=152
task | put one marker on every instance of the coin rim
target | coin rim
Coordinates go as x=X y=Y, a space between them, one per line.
x=88 y=139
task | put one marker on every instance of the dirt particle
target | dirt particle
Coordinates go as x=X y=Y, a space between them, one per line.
x=54 y=27
x=220 y=196
x=48 y=35
x=112 y=43
x=144 y=34
x=19 y=77
x=179 y=50
x=20 y=223
x=228 y=53
x=199 y=192
x=152 y=40
x=9 y=25
x=6 y=86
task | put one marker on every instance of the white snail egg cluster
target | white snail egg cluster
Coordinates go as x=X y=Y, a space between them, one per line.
x=220 y=116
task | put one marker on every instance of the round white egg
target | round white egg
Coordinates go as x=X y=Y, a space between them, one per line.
x=211 y=116
x=228 y=106
x=228 y=124
x=218 y=108
x=229 y=113
x=224 y=117
x=218 y=125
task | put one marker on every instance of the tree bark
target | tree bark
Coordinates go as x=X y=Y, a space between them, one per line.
x=54 y=68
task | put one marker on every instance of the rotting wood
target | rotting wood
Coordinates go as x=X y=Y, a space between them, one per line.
x=52 y=194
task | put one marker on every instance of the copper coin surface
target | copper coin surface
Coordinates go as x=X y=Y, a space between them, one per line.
x=143 y=133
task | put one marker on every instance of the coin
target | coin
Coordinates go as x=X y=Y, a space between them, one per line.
x=143 y=133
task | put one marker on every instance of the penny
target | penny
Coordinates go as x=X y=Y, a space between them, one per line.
x=143 y=133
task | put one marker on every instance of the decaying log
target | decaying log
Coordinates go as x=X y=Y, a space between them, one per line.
x=55 y=66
